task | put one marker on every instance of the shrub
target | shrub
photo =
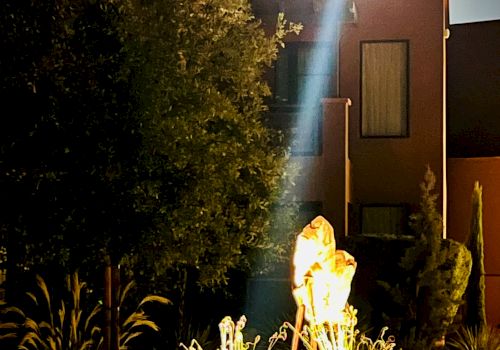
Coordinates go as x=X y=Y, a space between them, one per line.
x=468 y=338
x=438 y=270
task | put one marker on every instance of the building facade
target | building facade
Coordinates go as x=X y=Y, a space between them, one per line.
x=381 y=119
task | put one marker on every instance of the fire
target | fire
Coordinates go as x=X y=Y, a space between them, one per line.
x=322 y=276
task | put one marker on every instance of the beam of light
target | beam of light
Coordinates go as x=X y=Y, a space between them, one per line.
x=266 y=296
x=319 y=72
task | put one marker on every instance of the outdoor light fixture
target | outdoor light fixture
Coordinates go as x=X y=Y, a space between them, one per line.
x=322 y=279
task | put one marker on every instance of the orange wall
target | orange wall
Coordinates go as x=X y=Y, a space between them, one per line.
x=462 y=173
x=389 y=170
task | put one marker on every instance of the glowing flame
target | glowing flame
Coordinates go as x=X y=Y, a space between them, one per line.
x=322 y=275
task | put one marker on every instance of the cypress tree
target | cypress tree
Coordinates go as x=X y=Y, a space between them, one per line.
x=476 y=308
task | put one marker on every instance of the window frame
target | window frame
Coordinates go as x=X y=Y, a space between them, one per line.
x=406 y=116
x=293 y=48
x=285 y=118
x=286 y=113
x=405 y=221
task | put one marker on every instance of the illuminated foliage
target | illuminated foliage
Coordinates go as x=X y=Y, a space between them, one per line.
x=437 y=272
x=133 y=131
x=66 y=325
x=475 y=293
x=200 y=64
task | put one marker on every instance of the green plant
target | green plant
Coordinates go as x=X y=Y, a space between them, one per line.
x=203 y=336
x=67 y=326
x=231 y=336
x=266 y=327
x=469 y=338
x=138 y=321
x=381 y=343
x=438 y=270
x=323 y=337
x=136 y=131
x=475 y=316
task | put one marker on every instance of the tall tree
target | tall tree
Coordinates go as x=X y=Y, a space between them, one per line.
x=133 y=130
x=69 y=150
x=436 y=271
x=476 y=308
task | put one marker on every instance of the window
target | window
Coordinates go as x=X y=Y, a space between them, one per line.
x=384 y=219
x=299 y=86
x=384 y=89
x=294 y=69
x=308 y=211
x=305 y=140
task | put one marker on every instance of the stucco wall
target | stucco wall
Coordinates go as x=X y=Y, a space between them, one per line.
x=462 y=173
x=325 y=178
x=389 y=170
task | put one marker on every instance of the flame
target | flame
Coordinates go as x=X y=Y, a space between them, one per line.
x=322 y=275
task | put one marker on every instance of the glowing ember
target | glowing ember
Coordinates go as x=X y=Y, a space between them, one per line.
x=322 y=275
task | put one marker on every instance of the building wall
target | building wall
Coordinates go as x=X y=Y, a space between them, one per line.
x=462 y=173
x=325 y=178
x=389 y=170
x=474 y=90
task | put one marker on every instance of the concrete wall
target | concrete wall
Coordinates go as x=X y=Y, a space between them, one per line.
x=389 y=170
x=462 y=173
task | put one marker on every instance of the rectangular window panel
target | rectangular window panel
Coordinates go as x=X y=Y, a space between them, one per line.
x=384 y=89
x=305 y=140
x=313 y=76
x=381 y=219
x=282 y=86
x=294 y=69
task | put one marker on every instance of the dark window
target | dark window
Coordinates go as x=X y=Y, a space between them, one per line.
x=295 y=72
x=384 y=89
x=299 y=86
x=380 y=219
x=308 y=211
x=304 y=141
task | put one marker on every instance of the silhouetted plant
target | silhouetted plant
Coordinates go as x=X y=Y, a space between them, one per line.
x=476 y=308
x=316 y=337
x=66 y=325
x=438 y=270
x=469 y=338
x=134 y=129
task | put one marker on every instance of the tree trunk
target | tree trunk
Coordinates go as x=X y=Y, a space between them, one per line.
x=111 y=331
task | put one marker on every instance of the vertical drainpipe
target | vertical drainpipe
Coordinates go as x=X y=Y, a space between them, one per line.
x=445 y=34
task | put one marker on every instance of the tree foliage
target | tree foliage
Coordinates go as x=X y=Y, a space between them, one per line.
x=69 y=153
x=133 y=130
x=475 y=293
x=437 y=272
